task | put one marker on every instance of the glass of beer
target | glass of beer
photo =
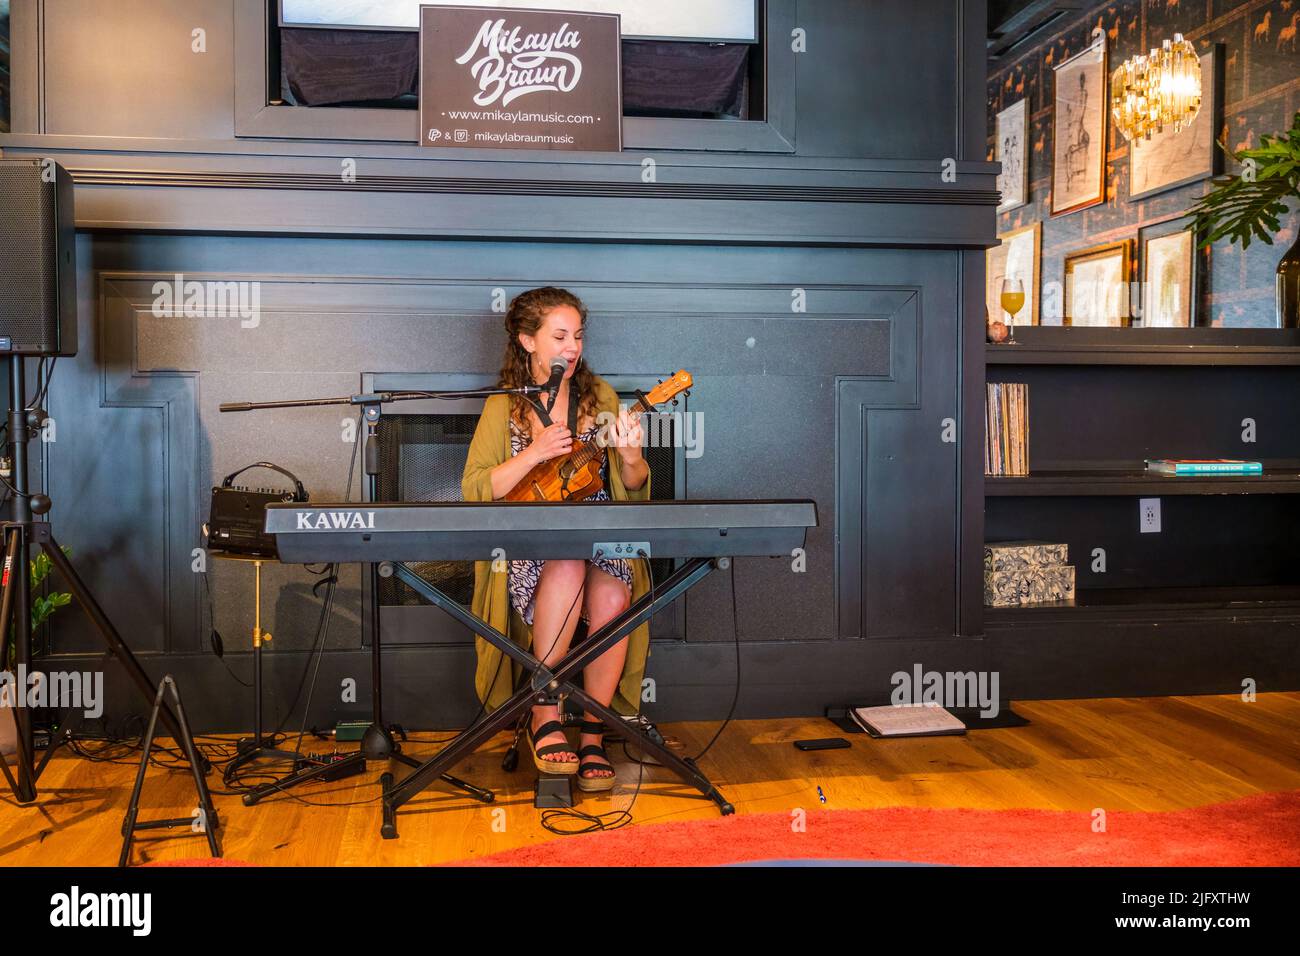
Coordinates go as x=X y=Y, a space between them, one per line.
x=1013 y=300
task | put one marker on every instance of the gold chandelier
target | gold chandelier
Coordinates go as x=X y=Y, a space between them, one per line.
x=1162 y=88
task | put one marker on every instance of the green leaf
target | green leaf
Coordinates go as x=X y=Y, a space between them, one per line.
x=43 y=605
x=1241 y=210
x=40 y=568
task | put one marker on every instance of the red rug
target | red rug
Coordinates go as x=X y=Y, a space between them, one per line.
x=1259 y=830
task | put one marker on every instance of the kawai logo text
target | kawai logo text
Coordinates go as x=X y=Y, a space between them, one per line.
x=335 y=521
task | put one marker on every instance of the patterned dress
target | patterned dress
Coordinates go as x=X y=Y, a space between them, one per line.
x=525 y=575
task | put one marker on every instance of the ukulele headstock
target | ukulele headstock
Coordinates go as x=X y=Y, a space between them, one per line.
x=668 y=390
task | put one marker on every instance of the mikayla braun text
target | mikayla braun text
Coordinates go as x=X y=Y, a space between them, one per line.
x=537 y=62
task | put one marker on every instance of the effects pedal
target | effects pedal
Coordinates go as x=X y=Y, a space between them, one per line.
x=349 y=769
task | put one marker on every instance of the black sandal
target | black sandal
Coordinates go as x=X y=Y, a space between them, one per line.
x=594 y=784
x=551 y=766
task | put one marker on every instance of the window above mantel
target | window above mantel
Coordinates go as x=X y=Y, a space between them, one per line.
x=303 y=83
x=725 y=21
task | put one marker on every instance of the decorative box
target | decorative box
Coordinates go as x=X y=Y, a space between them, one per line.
x=1028 y=586
x=1010 y=555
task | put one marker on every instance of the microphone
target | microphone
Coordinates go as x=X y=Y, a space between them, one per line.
x=559 y=365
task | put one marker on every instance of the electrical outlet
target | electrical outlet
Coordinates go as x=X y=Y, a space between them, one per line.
x=1149 y=515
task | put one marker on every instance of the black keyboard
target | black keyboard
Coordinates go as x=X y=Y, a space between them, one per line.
x=484 y=531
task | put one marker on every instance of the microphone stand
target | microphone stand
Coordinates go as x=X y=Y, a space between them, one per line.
x=378 y=742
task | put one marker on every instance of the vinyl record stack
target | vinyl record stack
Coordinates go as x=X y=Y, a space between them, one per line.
x=1027 y=572
x=1006 y=432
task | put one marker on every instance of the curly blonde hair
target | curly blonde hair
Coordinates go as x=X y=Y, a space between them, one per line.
x=526 y=313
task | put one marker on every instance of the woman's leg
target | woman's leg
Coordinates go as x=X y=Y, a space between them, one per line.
x=558 y=589
x=605 y=597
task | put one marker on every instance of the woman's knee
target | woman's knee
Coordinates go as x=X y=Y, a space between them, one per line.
x=569 y=575
x=606 y=601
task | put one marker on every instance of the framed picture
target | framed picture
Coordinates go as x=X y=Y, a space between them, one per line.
x=1018 y=256
x=1170 y=159
x=1171 y=274
x=1097 y=285
x=1012 y=151
x=1079 y=123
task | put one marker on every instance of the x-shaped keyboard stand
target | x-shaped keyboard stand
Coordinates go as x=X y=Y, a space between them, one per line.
x=546 y=683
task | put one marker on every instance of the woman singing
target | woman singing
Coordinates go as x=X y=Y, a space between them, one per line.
x=532 y=602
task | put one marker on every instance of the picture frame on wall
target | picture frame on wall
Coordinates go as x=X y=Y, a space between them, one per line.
x=1097 y=285
x=1168 y=159
x=1012 y=151
x=1171 y=273
x=1080 y=120
x=1018 y=255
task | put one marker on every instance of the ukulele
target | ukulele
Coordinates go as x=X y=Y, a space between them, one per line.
x=576 y=476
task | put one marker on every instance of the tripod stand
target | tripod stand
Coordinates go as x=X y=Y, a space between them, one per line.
x=258 y=746
x=21 y=532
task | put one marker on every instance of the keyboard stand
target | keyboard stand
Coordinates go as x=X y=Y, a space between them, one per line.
x=546 y=683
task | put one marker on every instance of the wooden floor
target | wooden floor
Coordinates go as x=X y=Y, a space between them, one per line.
x=1124 y=754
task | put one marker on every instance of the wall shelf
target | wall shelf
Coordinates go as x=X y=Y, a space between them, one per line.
x=1064 y=345
x=1139 y=482
x=1270 y=601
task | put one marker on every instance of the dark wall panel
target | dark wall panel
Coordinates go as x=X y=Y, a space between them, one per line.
x=148 y=81
x=143 y=440
x=841 y=115
x=131 y=68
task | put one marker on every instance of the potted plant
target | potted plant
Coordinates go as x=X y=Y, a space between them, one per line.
x=1251 y=204
x=43 y=605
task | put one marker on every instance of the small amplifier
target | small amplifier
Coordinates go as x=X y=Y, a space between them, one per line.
x=237 y=516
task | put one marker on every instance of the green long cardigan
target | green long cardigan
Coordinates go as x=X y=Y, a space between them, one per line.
x=489 y=448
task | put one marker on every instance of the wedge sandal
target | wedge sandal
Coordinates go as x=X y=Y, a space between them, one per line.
x=560 y=767
x=594 y=784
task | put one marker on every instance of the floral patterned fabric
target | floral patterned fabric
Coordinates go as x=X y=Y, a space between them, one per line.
x=525 y=575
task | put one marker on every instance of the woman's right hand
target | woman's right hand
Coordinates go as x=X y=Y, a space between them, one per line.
x=552 y=442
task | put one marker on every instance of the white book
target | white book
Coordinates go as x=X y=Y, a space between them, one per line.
x=927 y=720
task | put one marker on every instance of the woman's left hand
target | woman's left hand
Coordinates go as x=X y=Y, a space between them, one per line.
x=628 y=437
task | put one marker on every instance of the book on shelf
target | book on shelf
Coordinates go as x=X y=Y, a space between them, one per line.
x=1006 y=431
x=1204 y=466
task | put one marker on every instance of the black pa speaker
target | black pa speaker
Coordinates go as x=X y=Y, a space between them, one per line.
x=38 y=304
